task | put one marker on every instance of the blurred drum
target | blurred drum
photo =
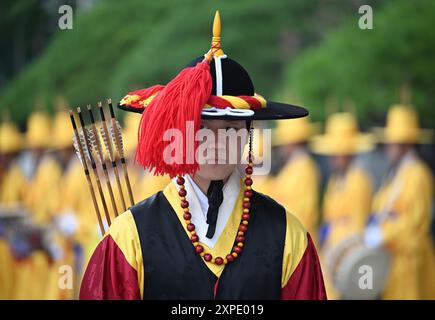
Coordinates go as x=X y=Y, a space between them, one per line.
x=358 y=272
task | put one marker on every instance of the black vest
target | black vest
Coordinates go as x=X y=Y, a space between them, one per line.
x=172 y=269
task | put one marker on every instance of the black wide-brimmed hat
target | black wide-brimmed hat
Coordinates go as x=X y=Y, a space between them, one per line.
x=232 y=94
x=210 y=87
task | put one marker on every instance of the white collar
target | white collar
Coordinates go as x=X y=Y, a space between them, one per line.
x=202 y=197
x=198 y=206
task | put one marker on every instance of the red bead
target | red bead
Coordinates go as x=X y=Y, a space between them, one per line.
x=240 y=239
x=248 y=193
x=194 y=238
x=230 y=258
x=182 y=192
x=237 y=250
x=246 y=216
x=190 y=227
x=199 y=249
x=243 y=228
x=207 y=257
x=248 y=182
x=180 y=181
x=184 y=204
x=187 y=216
x=219 y=261
x=249 y=170
x=246 y=205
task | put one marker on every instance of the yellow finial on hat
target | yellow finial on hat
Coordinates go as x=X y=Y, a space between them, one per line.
x=215 y=49
x=405 y=94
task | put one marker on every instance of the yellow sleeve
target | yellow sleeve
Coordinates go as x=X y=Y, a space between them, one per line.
x=412 y=209
x=296 y=241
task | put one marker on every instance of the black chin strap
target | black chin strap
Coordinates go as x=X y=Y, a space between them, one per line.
x=215 y=194
x=215 y=197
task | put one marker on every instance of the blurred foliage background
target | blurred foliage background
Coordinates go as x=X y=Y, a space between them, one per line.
x=301 y=51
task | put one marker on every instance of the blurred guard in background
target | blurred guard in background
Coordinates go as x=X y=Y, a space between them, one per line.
x=33 y=267
x=296 y=186
x=76 y=228
x=402 y=209
x=347 y=199
x=143 y=183
x=45 y=171
x=12 y=184
x=12 y=178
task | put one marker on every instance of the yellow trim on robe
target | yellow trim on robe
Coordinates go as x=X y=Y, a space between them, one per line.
x=225 y=242
x=124 y=232
x=296 y=241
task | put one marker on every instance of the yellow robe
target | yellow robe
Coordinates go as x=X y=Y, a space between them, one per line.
x=408 y=197
x=72 y=197
x=41 y=192
x=297 y=188
x=31 y=277
x=346 y=207
x=6 y=270
x=12 y=186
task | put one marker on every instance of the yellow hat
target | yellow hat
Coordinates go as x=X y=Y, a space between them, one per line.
x=11 y=139
x=293 y=131
x=403 y=127
x=39 y=130
x=63 y=132
x=130 y=129
x=342 y=136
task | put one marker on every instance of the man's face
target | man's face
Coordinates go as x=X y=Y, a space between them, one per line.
x=340 y=163
x=395 y=152
x=223 y=143
x=287 y=150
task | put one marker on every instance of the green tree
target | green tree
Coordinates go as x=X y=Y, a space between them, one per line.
x=370 y=66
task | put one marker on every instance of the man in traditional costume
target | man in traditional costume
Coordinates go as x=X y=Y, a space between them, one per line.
x=296 y=186
x=348 y=194
x=208 y=234
x=12 y=187
x=402 y=209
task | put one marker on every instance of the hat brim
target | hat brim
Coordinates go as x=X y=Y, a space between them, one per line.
x=423 y=136
x=286 y=139
x=272 y=111
x=324 y=145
